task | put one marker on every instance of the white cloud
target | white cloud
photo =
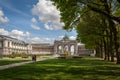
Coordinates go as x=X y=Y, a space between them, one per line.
x=27 y=34
x=35 y=27
x=3 y=32
x=72 y=38
x=60 y=37
x=19 y=34
x=48 y=14
x=15 y=33
x=34 y=20
x=40 y=40
x=48 y=27
x=3 y=19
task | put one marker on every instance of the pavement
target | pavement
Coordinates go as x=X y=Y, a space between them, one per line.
x=18 y=64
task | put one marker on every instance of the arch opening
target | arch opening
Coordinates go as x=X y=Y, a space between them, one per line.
x=59 y=49
x=72 y=49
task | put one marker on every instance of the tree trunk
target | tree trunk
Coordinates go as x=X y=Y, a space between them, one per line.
x=105 y=48
x=101 y=49
x=116 y=45
x=111 y=41
x=113 y=28
x=108 y=50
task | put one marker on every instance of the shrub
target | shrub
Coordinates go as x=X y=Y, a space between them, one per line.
x=13 y=55
x=24 y=55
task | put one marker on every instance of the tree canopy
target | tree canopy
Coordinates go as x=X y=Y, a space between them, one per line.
x=96 y=21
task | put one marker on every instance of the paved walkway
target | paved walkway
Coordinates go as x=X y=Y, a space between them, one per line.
x=18 y=64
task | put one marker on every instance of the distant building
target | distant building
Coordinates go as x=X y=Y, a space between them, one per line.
x=42 y=49
x=64 y=46
x=9 y=45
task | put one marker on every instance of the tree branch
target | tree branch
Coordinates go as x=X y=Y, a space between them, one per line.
x=117 y=19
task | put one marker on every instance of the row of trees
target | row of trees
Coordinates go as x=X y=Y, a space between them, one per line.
x=97 y=23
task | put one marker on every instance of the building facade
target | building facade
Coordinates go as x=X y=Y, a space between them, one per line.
x=70 y=47
x=9 y=45
x=42 y=49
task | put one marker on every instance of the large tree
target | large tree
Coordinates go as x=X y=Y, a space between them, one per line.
x=73 y=10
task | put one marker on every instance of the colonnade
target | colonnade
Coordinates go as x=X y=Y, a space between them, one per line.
x=10 y=46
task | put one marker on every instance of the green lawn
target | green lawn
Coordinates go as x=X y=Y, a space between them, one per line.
x=5 y=61
x=64 y=69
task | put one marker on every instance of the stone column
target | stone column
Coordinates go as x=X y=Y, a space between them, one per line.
x=76 y=48
x=70 y=49
x=1 y=44
x=5 y=43
x=55 y=48
x=10 y=44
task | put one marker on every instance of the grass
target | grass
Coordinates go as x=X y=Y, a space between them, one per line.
x=64 y=69
x=5 y=60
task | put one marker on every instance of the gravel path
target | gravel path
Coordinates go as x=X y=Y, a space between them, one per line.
x=18 y=64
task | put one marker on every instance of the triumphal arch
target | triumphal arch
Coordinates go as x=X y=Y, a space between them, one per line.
x=66 y=47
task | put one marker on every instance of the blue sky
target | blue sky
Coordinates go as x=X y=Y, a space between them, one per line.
x=34 y=21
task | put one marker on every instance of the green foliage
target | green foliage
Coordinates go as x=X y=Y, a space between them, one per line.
x=90 y=29
x=24 y=55
x=65 y=52
x=118 y=12
x=12 y=55
x=87 y=17
x=95 y=22
x=71 y=10
x=17 y=54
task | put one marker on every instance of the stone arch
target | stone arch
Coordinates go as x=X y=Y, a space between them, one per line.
x=69 y=45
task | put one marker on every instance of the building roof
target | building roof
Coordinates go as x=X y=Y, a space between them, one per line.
x=11 y=39
x=44 y=44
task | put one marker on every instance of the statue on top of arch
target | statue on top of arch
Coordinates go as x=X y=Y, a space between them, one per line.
x=65 y=38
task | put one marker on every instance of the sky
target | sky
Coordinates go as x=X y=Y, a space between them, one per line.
x=33 y=21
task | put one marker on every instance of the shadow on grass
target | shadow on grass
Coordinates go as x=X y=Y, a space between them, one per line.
x=6 y=62
x=64 y=69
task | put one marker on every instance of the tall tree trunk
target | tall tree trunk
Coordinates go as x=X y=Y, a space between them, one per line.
x=107 y=6
x=98 y=50
x=116 y=44
x=101 y=48
x=108 y=50
x=111 y=41
x=105 y=48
